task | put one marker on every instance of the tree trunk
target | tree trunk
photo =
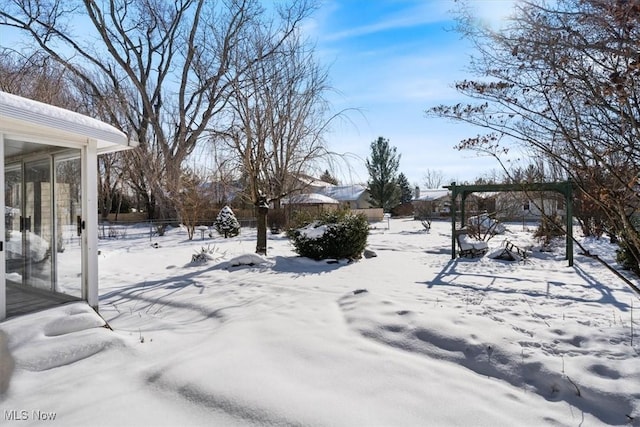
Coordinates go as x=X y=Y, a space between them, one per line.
x=261 y=225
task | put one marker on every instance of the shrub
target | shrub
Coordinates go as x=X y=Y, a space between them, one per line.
x=625 y=259
x=628 y=255
x=302 y=218
x=226 y=223
x=334 y=235
x=277 y=220
x=550 y=227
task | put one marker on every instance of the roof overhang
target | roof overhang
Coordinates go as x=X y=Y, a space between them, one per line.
x=310 y=198
x=33 y=121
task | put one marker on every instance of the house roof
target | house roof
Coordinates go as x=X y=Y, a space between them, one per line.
x=432 y=194
x=24 y=116
x=345 y=193
x=310 y=198
x=311 y=181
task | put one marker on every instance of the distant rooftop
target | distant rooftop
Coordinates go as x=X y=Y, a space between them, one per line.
x=345 y=193
x=428 y=194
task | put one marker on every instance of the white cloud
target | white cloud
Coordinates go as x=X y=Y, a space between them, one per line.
x=420 y=14
x=493 y=12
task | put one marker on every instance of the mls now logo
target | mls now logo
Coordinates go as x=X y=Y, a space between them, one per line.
x=23 y=415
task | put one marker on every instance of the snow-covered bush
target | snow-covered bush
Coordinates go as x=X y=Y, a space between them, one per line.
x=207 y=254
x=226 y=223
x=335 y=235
x=483 y=227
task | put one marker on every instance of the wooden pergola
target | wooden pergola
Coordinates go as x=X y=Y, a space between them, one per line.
x=565 y=188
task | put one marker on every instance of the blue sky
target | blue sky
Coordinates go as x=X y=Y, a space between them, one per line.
x=392 y=60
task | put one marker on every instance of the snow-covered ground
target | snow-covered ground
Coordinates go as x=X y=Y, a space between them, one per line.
x=408 y=338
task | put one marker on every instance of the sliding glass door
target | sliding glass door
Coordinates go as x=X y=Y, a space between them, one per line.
x=43 y=247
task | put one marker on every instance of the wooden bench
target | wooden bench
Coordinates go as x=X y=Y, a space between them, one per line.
x=468 y=248
x=511 y=252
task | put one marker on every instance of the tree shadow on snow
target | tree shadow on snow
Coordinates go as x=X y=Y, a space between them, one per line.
x=303 y=266
x=151 y=296
x=450 y=276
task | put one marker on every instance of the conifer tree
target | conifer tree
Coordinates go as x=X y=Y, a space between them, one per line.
x=226 y=223
x=327 y=177
x=406 y=194
x=383 y=167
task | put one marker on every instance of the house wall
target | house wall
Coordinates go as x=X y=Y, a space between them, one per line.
x=425 y=209
x=372 y=214
x=363 y=201
x=516 y=206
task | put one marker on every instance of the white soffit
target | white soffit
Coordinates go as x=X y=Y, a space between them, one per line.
x=29 y=117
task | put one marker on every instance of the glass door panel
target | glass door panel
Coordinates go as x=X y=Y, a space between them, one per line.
x=12 y=221
x=68 y=242
x=36 y=225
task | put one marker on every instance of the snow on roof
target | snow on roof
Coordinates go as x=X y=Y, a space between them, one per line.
x=43 y=117
x=432 y=194
x=309 y=180
x=487 y=194
x=310 y=198
x=345 y=193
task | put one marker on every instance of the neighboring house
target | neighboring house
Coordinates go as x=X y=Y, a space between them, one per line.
x=354 y=197
x=47 y=151
x=310 y=202
x=430 y=203
x=351 y=196
x=528 y=207
x=481 y=203
x=309 y=184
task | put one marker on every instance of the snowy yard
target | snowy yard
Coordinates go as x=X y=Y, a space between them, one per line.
x=408 y=338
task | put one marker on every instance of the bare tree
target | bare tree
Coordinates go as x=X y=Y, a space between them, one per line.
x=159 y=70
x=433 y=178
x=194 y=201
x=277 y=116
x=109 y=181
x=561 y=79
x=37 y=77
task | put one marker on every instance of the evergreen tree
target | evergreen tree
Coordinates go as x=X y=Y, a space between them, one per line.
x=383 y=167
x=327 y=177
x=406 y=194
x=226 y=223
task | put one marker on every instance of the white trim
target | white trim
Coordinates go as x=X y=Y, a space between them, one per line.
x=45 y=140
x=89 y=159
x=57 y=126
x=45 y=115
x=3 y=277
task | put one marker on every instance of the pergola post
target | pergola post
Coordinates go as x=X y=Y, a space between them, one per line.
x=569 y=215
x=452 y=187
